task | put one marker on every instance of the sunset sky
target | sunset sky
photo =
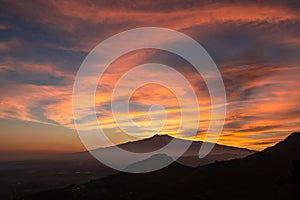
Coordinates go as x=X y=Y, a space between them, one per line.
x=256 y=47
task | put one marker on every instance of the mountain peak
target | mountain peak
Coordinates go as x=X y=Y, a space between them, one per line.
x=159 y=137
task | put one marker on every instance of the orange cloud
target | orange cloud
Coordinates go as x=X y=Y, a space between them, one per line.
x=263 y=98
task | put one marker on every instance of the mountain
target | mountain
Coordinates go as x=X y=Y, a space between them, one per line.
x=190 y=157
x=270 y=174
x=24 y=177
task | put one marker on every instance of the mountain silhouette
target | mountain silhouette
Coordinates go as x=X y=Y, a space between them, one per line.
x=190 y=157
x=25 y=177
x=270 y=174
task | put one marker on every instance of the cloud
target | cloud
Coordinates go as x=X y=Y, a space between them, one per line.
x=8 y=44
x=255 y=46
x=259 y=128
x=39 y=112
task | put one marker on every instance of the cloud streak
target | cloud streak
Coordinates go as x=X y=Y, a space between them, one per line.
x=255 y=45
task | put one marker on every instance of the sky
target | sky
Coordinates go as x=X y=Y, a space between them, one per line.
x=255 y=45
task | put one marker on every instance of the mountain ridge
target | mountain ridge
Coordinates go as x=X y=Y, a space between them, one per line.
x=189 y=157
x=168 y=138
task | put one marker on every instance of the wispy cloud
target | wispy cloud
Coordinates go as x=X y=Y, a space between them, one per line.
x=255 y=46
